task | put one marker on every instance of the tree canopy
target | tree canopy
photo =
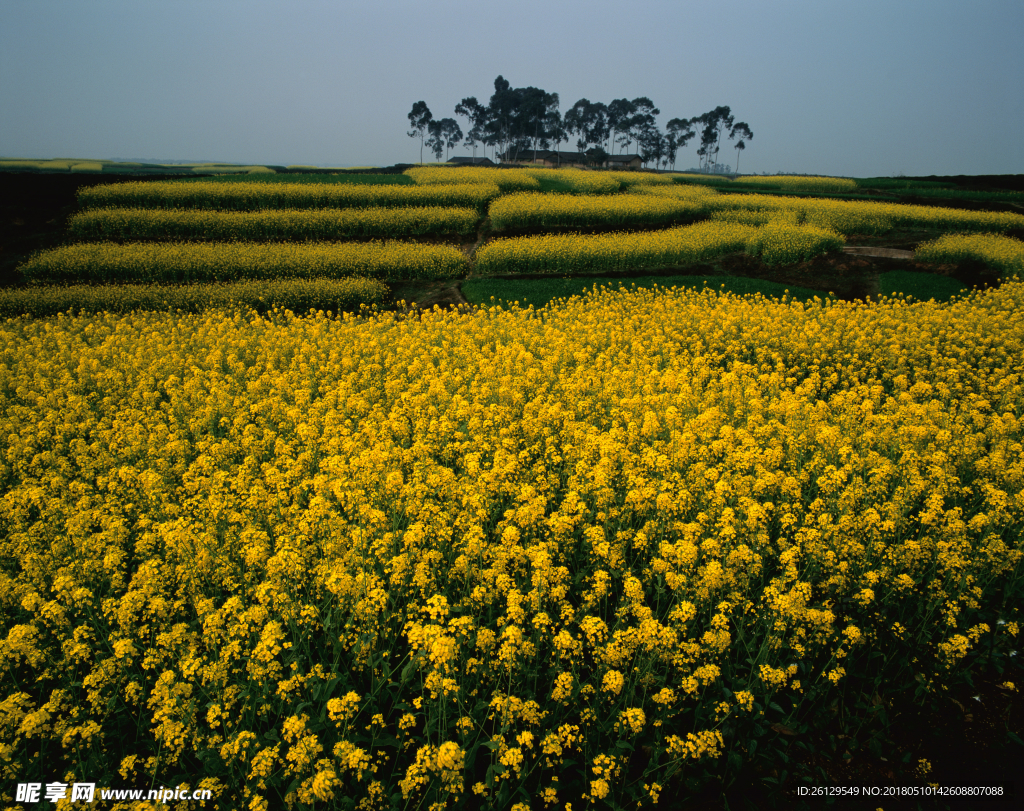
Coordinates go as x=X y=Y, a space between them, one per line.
x=519 y=120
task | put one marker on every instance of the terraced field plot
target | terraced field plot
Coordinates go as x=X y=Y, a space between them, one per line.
x=627 y=548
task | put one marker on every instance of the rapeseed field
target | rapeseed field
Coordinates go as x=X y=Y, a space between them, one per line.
x=604 y=553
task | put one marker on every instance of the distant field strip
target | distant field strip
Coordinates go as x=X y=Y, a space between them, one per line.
x=821 y=185
x=270 y=224
x=846 y=216
x=579 y=254
x=683 y=177
x=531 y=209
x=326 y=176
x=505 y=179
x=258 y=196
x=579 y=181
x=186 y=262
x=297 y=295
x=630 y=179
x=1005 y=253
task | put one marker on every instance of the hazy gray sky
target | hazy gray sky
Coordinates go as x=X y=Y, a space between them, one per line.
x=840 y=87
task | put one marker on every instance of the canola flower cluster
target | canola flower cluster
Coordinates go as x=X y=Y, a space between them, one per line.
x=779 y=243
x=782 y=243
x=270 y=224
x=188 y=262
x=297 y=295
x=258 y=196
x=1005 y=253
x=536 y=210
x=565 y=554
x=582 y=181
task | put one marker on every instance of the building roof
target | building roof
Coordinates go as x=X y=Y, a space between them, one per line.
x=553 y=156
x=471 y=161
x=549 y=155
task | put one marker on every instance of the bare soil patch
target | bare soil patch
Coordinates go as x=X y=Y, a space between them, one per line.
x=425 y=295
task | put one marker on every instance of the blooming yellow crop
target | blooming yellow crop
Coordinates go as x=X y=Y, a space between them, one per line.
x=298 y=295
x=575 y=253
x=778 y=243
x=686 y=177
x=581 y=181
x=1001 y=252
x=631 y=179
x=177 y=262
x=366 y=555
x=505 y=179
x=258 y=196
x=527 y=210
x=812 y=183
x=844 y=216
x=781 y=243
x=270 y=224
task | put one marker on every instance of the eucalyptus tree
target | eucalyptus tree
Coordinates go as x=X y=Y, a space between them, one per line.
x=533 y=113
x=476 y=115
x=742 y=131
x=714 y=124
x=589 y=122
x=435 y=140
x=452 y=134
x=641 y=121
x=597 y=123
x=574 y=122
x=619 y=112
x=444 y=134
x=420 y=119
x=651 y=143
x=517 y=117
x=501 y=110
x=555 y=128
x=723 y=120
x=678 y=132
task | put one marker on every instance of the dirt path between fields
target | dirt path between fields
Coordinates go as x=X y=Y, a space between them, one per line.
x=887 y=253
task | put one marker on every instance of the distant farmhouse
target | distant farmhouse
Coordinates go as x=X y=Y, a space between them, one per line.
x=472 y=162
x=551 y=158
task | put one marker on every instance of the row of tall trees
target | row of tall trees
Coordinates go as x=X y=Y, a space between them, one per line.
x=518 y=120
